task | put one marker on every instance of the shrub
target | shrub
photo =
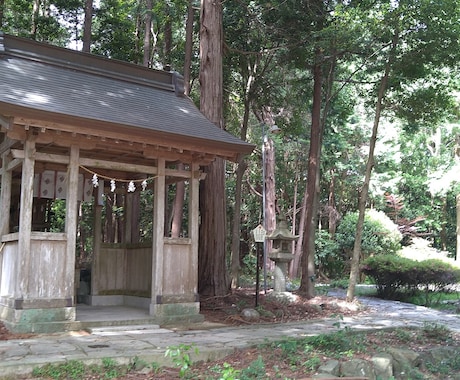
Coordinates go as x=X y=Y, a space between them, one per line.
x=327 y=257
x=392 y=273
x=380 y=234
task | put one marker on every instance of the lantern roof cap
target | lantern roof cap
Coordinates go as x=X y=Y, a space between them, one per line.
x=282 y=231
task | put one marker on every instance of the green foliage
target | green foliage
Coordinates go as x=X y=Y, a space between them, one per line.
x=289 y=350
x=341 y=343
x=312 y=363
x=341 y=283
x=380 y=234
x=393 y=274
x=57 y=216
x=328 y=258
x=249 y=268
x=256 y=370
x=446 y=299
x=270 y=49
x=227 y=372
x=72 y=369
x=180 y=356
x=450 y=362
x=111 y=368
x=435 y=331
x=76 y=370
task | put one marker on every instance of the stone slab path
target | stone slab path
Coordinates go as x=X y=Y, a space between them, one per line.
x=149 y=342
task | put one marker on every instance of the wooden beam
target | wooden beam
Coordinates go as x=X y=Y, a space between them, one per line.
x=102 y=164
x=44 y=157
x=6 y=144
x=17 y=133
x=138 y=135
x=6 y=122
x=13 y=164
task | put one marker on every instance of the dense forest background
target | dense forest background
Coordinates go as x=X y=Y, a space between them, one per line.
x=365 y=93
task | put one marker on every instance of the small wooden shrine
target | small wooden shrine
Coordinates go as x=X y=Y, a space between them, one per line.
x=78 y=127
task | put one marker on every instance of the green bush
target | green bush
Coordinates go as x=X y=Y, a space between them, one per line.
x=393 y=274
x=380 y=234
x=327 y=257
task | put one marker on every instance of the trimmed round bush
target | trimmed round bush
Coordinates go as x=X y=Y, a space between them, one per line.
x=393 y=274
x=380 y=234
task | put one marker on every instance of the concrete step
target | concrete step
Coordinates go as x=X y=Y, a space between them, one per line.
x=127 y=329
x=121 y=324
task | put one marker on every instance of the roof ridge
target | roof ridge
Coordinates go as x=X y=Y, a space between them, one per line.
x=90 y=63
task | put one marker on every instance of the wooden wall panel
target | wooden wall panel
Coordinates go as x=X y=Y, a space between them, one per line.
x=139 y=270
x=178 y=276
x=47 y=274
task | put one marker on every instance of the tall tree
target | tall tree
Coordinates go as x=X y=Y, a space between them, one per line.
x=308 y=258
x=354 y=272
x=147 y=33
x=87 y=26
x=2 y=8
x=188 y=47
x=212 y=258
x=410 y=43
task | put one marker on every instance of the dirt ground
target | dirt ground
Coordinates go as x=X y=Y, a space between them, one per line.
x=227 y=310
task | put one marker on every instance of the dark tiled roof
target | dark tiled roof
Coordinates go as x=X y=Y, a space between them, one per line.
x=47 y=78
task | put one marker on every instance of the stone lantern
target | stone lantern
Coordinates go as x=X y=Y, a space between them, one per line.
x=281 y=253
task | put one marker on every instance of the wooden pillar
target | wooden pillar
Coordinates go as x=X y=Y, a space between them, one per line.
x=158 y=236
x=97 y=239
x=193 y=222
x=5 y=204
x=25 y=217
x=128 y=216
x=71 y=219
x=5 y=195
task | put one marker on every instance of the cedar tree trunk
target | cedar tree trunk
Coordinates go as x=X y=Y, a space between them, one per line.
x=307 y=286
x=87 y=26
x=212 y=271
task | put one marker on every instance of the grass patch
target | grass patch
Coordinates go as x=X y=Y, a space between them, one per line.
x=77 y=370
x=447 y=301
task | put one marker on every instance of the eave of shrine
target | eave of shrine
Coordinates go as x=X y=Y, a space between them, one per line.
x=111 y=109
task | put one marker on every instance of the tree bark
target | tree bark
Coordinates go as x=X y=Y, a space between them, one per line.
x=354 y=271
x=167 y=37
x=87 y=26
x=178 y=207
x=2 y=7
x=294 y=265
x=298 y=249
x=188 y=48
x=212 y=271
x=35 y=14
x=270 y=186
x=307 y=287
x=236 y=225
x=147 y=36
x=457 y=256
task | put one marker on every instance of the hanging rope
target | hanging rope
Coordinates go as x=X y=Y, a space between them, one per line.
x=130 y=182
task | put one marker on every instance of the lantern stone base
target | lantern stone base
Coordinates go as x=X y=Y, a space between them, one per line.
x=281 y=260
x=283 y=297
